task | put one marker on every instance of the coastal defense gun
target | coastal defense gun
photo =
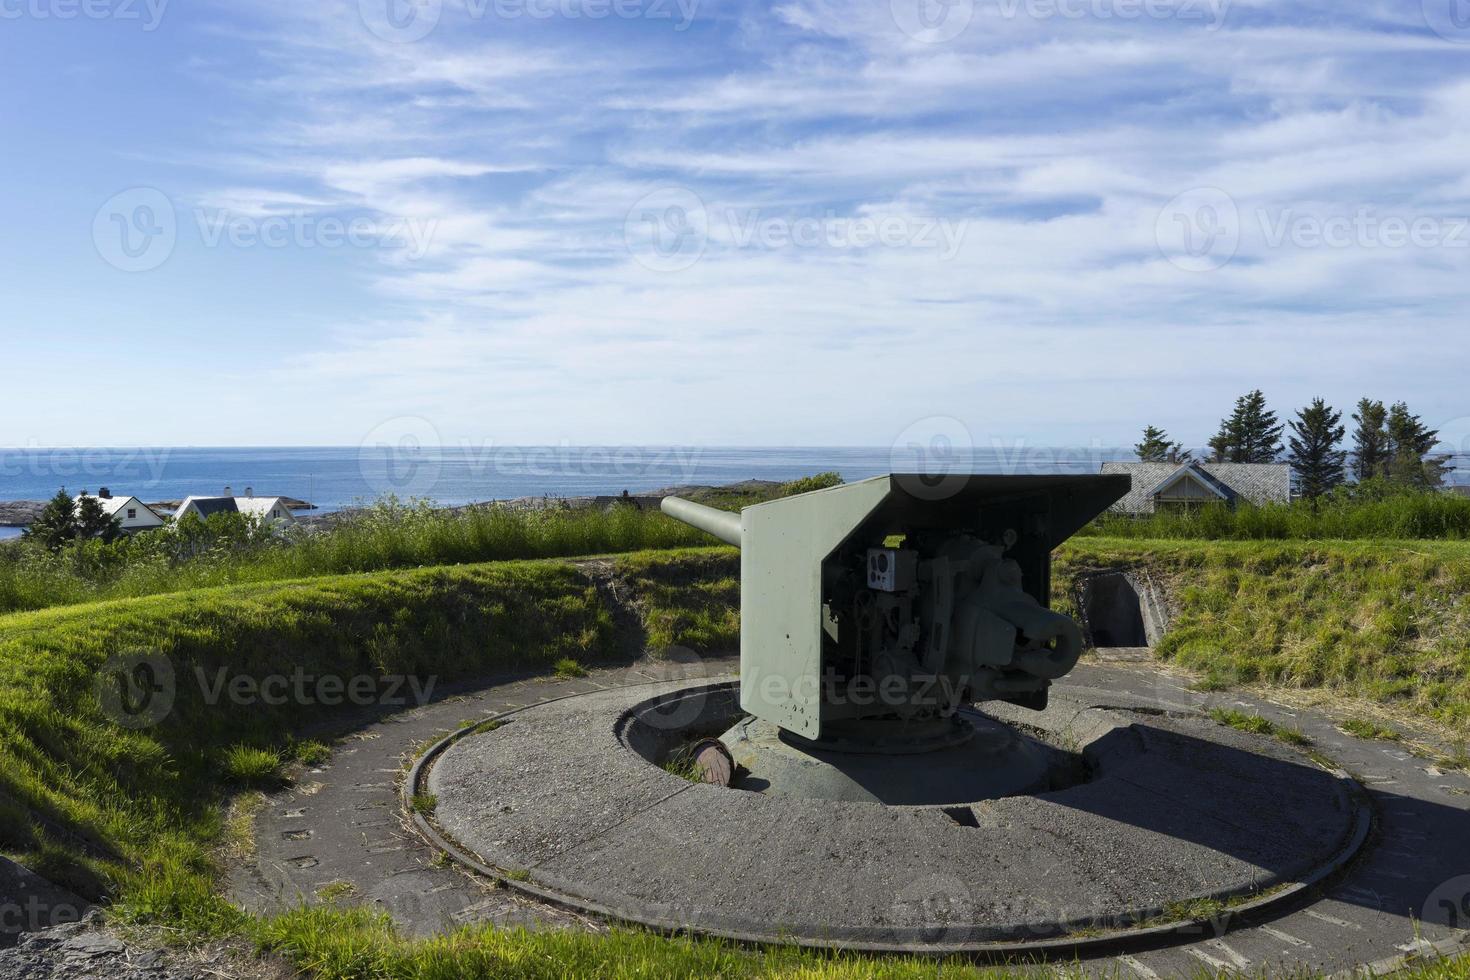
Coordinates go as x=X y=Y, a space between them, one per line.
x=871 y=611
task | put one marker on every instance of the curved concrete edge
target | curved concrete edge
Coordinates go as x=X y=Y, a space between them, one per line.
x=1052 y=948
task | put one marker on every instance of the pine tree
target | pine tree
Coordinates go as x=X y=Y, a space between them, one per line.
x=57 y=523
x=1251 y=434
x=1315 y=435
x=1407 y=450
x=1225 y=444
x=1370 y=440
x=1156 y=448
x=94 y=522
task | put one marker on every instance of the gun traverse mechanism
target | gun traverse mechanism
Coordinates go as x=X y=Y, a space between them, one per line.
x=873 y=611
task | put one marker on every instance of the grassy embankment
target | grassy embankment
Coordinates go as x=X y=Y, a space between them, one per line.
x=1387 y=622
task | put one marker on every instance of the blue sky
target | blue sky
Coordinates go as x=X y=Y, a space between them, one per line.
x=706 y=222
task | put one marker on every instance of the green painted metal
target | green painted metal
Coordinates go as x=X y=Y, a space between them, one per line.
x=721 y=523
x=896 y=599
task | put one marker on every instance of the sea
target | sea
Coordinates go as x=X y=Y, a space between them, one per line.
x=333 y=478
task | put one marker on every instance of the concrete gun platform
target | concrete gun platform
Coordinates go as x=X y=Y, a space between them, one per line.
x=566 y=802
x=340 y=835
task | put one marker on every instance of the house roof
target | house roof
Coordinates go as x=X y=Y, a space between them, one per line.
x=257 y=506
x=209 y=506
x=261 y=506
x=111 y=505
x=1258 y=483
x=1189 y=471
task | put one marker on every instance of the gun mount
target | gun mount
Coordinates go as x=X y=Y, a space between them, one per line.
x=871 y=611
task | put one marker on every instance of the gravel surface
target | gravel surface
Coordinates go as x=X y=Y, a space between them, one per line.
x=90 y=949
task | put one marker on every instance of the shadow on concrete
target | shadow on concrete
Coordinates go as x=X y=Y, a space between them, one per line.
x=1261 y=810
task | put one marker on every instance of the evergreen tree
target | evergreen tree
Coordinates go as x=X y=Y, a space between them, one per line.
x=1251 y=434
x=1409 y=442
x=1156 y=448
x=1315 y=434
x=1370 y=440
x=57 y=524
x=94 y=522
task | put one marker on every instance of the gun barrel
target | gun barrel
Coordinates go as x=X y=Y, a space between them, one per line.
x=721 y=523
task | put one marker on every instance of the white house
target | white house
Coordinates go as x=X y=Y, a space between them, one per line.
x=132 y=514
x=271 y=510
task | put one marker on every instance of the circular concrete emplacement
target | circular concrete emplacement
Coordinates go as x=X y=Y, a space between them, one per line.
x=569 y=800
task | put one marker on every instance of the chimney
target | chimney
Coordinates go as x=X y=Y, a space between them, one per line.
x=249 y=491
x=228 y=491
x=104 y=494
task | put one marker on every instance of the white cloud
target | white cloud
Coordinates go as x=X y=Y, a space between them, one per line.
x=1053 y=143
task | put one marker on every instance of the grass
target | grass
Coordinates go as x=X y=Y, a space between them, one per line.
x=1386 y=621
x=681 y=763
x=1455 y=968
x=688 y=598
x=1399 y=516
x=229 y=550
x=248 y=766
x=1363 y=728
x=337 y=943
x=567 y=667
x=310 y=753
x=424 y=804
x=389 y=536
x=134 y=811
x=1256 y=725
x=334 y=890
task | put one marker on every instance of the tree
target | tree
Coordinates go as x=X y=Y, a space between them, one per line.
x=1251 y=434
x=1315 y=434
x=1408 y=444
x=94 y=522
x=1156 y=448
x=1370 y=440
x=57 y=523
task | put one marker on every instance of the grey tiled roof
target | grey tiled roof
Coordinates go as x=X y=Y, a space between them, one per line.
x=209 y=506
x=1258 y=483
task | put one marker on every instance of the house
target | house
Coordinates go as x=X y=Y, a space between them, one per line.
x=132 y=514
x=1162 y=485
x=271 y=510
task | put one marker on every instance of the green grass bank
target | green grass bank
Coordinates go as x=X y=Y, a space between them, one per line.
x=1387 y=621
